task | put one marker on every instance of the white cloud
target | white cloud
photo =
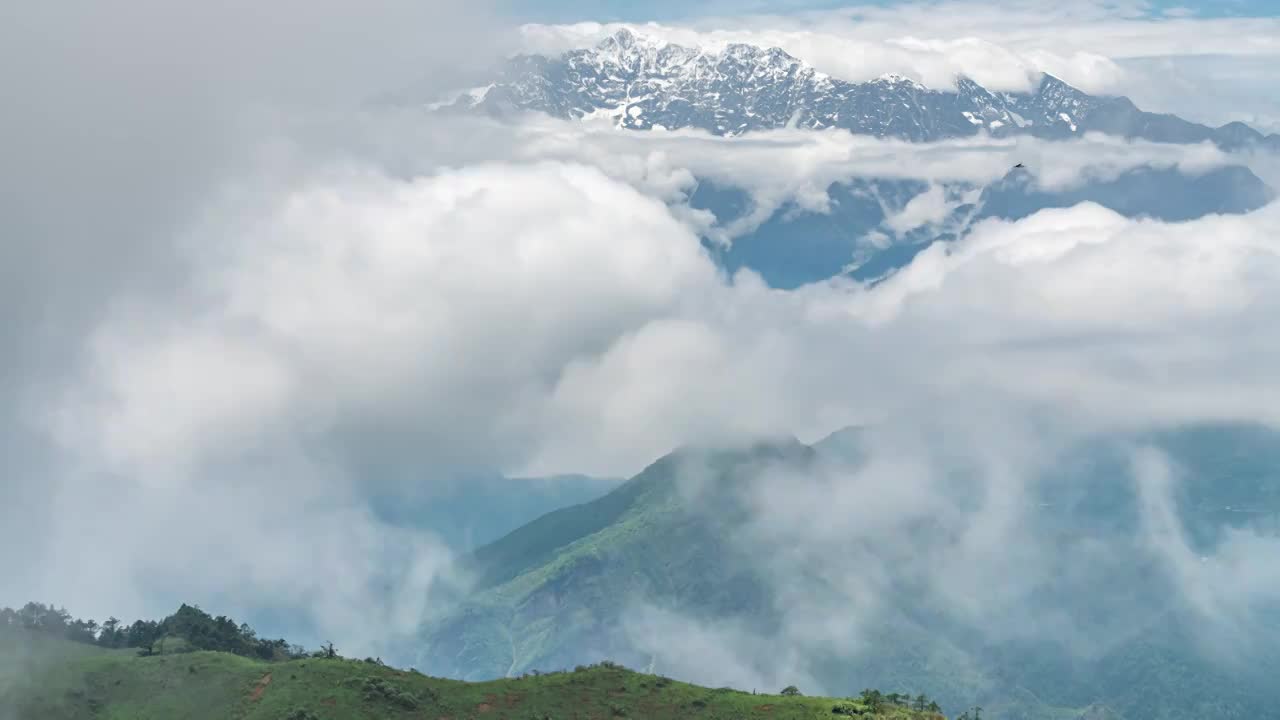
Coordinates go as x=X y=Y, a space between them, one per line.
x=930 y=206
x=439 y=305
x=507 y=312
x=791 y=166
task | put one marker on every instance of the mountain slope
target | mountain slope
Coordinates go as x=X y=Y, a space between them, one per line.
x=643 y=83
x=45 y=678
x=550 y=594
x=566 y=589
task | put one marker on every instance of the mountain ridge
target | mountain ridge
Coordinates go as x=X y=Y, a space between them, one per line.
x=642 y=84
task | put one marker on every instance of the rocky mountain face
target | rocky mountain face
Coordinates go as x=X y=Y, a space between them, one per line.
x=643 y=83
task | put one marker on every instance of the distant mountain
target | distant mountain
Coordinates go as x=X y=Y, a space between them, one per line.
x=1161 y=194
x=857 y=237
x=644 y=83
x=1100 y=712
x=559 y=591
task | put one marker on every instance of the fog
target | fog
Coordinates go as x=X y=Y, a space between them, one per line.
x=124 y=123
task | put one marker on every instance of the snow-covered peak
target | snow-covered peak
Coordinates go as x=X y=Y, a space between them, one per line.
x=642 y=82
x=898 y=80
x=633 y=52
x=625 y=43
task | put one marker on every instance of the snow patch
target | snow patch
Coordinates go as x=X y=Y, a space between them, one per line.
x=470 y=98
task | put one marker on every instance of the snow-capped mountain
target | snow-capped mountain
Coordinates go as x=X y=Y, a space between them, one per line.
x=643 y=83
x=640 y=83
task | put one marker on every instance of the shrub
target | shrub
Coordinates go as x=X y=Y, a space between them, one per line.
x=790 y=691
x=377 y=689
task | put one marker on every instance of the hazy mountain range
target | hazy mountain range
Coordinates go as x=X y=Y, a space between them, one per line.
x=595 y=581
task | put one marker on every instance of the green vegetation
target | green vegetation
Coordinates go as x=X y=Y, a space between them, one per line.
x=188 y=629
x=49 y=677
x=564 y=582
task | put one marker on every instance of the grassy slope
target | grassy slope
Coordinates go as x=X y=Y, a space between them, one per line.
x=67 y=681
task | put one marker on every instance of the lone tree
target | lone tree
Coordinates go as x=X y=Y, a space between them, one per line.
x=791 y=690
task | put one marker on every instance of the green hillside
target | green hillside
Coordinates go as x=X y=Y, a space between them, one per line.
x=558 y=591
x=551 y=593
x=50 y=678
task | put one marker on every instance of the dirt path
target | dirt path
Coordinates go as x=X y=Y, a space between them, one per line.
x=260 y=688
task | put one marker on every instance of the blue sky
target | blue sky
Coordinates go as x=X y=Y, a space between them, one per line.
x=631 y=10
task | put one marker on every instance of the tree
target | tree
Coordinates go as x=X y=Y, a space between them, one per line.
x=791 y=690
x=84 y=631
x=111 y=635
x=873 y=699
x=142 y=633
x=922 y=702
